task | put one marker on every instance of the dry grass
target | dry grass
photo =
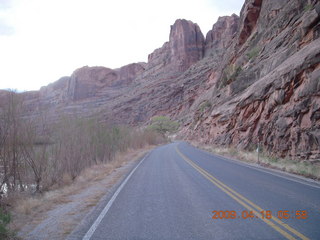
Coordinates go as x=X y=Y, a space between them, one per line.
x=67 y=228
x=303 y=168
x=99 y=172
x=33 y=209
x=27 y=206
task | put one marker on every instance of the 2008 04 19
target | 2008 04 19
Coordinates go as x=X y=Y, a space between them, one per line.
x=248 y=214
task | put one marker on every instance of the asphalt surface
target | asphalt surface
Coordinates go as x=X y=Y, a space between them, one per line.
x=174 y=191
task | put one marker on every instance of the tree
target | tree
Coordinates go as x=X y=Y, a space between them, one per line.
x=10 y=142
x=163 y=125
x=35 y=136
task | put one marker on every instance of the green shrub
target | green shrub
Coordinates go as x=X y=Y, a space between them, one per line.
x=273 y=159
x=163 y=125
x=253 y=53
x=230 y=73
x=205 y=105
x=307 y=7
x=5 y=219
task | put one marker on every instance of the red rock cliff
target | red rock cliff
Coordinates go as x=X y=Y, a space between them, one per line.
x=222 y=33
x=185 y=47
x=267 y=86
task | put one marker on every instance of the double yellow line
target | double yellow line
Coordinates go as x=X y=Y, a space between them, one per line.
x=246 y=202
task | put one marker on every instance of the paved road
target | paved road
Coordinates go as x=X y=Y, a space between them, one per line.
x=173 y=192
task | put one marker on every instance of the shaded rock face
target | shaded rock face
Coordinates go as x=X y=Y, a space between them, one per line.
x=86 y=82
x=255 y=78
x=250 y=13
x=186 y=44
x=221 y=34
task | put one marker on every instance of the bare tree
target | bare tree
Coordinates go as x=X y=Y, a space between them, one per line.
x=35 y=147
x=10 y=142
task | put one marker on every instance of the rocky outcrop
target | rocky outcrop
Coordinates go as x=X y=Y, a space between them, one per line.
x=249 y=17
x=280 y=113
x=86 y=82
x=185 y=47
x=221 y=35
x=186 y=44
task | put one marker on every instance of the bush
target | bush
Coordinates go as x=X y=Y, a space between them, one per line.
x=163 y=125
x=230 y=73
x=81 y=143
x=37 y=154
x=5 y=219
x=205 y=105
x=253 y=53
x=307 y=7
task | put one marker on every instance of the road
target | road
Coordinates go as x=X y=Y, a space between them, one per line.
x=180 y=192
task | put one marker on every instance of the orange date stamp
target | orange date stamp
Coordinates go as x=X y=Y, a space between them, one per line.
x=246 y=214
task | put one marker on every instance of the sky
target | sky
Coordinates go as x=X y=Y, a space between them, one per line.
x=44 y=40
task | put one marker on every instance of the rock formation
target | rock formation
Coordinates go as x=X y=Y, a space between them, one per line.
x=185 y=47
x=223 y=31
x=86 y=82
x=186 y=44
x=268 y=91
x=254 y=78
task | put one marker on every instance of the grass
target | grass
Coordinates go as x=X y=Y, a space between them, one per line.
x=303 y=168
x=28 y=205
x=67 y=228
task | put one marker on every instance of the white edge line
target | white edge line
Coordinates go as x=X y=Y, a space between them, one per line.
x=268 y=171
x=108 y=206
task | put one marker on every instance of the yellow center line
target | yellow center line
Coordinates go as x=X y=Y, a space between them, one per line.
x=254 y=205
x=244 y=201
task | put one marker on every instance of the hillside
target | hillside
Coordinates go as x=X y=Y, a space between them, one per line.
x=253 y=78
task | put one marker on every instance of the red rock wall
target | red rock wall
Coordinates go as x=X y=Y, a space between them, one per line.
x=222 y=33
x=274 y=96
x=185 y=47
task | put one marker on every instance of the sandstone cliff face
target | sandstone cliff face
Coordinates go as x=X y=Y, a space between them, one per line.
x=223 y=31
x=159 y=87
x=254 y=78
x=249 y=17
x=186 y=44
x=86 y=82
x=269 y=86
x=185 y=47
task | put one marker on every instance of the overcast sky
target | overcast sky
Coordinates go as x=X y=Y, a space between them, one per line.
x=43 y=40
